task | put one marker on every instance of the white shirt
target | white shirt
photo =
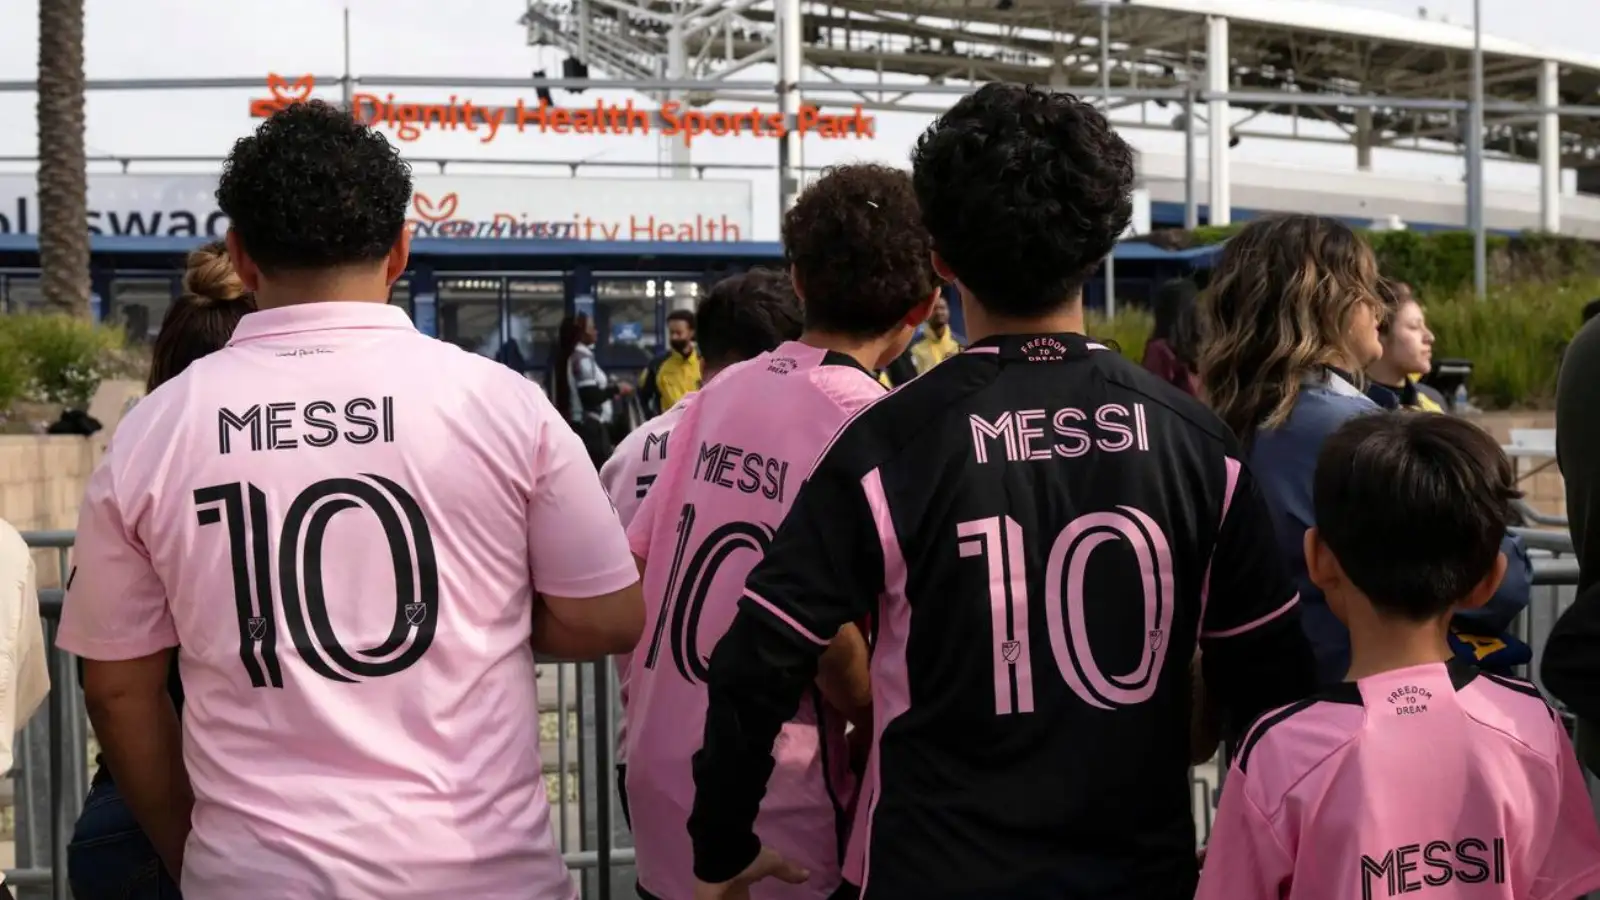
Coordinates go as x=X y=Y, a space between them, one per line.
x=24 y=675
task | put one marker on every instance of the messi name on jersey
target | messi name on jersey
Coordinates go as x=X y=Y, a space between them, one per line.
x=320 y=423
x=1405 y=870
x=1031 y=434
x=728 y=466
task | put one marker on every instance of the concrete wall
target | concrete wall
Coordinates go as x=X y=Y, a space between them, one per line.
x=41 y=483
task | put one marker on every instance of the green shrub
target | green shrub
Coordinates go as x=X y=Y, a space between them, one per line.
x=13 y=372
x=64 y=359
x=1514 y=338
x=1129 y=330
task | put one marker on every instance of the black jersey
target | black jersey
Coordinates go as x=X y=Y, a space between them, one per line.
x=1042 y=531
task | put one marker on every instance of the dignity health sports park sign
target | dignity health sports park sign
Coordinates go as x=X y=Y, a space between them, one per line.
x=443 y=206
x=408 y=119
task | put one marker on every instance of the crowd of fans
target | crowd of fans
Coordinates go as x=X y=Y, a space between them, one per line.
x=952 y=633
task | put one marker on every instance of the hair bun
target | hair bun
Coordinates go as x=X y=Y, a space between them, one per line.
x=210 y=277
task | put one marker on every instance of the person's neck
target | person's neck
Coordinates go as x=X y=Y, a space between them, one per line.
x=982 y=324
x=869 y=352
x=1381 y=644
x=364 y=284
x=938 y=331
x=1387 y=373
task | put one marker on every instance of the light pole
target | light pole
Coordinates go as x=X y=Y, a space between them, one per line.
x=1475 y=126
x=1105 y=101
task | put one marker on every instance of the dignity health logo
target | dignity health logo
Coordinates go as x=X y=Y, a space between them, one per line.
x=443 y=219
x=410 y=120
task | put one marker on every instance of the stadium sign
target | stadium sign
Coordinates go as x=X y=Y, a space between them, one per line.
x=409 y=120
x=468 y=206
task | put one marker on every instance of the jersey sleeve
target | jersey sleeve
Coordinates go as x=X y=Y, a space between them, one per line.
x=822 y=571
x=1255 y=654
x=825 y=566
x=116 y=605
x=1245 y=859
x=576 y=545
x=1571 y=863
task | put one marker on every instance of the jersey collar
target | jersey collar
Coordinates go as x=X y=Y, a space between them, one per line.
x=1056 y=347
x=314 y=317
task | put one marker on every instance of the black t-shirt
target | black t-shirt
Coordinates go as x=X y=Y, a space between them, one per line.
x=1042 y=532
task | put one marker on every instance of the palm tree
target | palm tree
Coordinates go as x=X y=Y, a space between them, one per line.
x=63 y=176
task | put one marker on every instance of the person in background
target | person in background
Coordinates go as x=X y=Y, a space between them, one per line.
x=1418 y=772
x=110 y=857
x=740 y=318
x=861 y=262
x=1174 y=342
x=1035 y=526
x=937 y=342
x=1291 y=318
x=674 y=374
x=585 y=388
x=355 y=538
x=23 y=663
x=1393 y=378
x=1571 y=663
x=900 y=370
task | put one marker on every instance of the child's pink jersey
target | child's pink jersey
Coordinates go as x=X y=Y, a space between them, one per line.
x=627 y=476
x=1437 y=780
x=733 y=466
x=342 y=524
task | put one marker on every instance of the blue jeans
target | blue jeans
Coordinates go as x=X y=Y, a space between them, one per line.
x=109 y=857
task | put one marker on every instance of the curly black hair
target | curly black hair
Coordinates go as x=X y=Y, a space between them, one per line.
x=745 y=315
x=313 y=188
x=1025 y=192
x=861 y=258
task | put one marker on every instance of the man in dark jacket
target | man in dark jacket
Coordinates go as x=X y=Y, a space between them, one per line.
x=1571 y=665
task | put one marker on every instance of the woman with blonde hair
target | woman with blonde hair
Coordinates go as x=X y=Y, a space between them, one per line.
x=110 y=856
x=1289 y=321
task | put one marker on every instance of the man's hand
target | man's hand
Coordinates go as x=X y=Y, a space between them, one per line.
x=767 y=864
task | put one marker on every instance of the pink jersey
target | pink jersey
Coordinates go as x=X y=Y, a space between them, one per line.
x=734 y=464
x=342 y=524
x=627 y=477
x=1437 y=780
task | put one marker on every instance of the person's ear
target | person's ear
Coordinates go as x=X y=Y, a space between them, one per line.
x=399 y=257
x=249 y=273
x=921 y=311
x=799 y=292
x=941 y=268
x=1483 y=590
x=1321 y=566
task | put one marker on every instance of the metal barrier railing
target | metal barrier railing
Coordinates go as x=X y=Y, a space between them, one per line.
x=52 y=766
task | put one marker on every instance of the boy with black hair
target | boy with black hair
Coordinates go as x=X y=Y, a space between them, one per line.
x=1419 y=771
x=354 y=537
x=1041 y=533
x=861 y=265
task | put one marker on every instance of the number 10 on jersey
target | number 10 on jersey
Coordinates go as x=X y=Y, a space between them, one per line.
x=1000 y=541
x=242 y=508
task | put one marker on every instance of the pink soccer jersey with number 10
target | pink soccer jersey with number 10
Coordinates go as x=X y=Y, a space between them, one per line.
x=343 y=523
x=734 y=463
x=1437 y=780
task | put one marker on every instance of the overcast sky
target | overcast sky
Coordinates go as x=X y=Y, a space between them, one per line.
x=247 y=38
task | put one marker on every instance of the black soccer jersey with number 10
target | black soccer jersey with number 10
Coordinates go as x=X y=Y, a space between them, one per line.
x=1043 y=531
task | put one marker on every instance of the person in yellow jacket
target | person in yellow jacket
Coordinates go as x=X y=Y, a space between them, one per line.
x=937 y=342
x=675 y=374
x=1407 y=351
